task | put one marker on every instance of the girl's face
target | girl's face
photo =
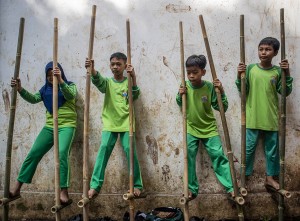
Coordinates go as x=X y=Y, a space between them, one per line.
x=194 y=74
x=50 y=76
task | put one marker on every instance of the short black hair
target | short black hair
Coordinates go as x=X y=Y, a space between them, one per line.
x=196 y=60
x=118 y=55
x=270 y=41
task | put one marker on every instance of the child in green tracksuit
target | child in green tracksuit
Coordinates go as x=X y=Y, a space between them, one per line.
x=263 y=82
x=115 y=117
x=201 y=123
x=66 y=128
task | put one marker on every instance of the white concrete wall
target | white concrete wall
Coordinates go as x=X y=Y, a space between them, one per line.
x=156 y=58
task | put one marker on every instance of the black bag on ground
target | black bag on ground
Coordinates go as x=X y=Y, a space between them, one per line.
x=165 y=214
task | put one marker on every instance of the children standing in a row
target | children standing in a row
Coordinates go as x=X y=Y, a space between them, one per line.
x=263 y=81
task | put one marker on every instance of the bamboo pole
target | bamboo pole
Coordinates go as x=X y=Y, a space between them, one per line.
x=239 y=200
x=131 y=151
x=55 y=122
x=282 y=120
x=12 y=121
x=185 y=199
x=243 y=190
x=84 y=202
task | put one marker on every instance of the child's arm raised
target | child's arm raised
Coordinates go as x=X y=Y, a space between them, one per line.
x=135 y=89
x=99 y=81
x=181 y=91
x=214 y=101
x=69 y=91
x=240 y=69
x=27 y=96
x=284 y=65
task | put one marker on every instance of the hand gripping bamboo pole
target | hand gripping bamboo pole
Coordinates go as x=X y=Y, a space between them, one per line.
x=131 y=151
x=239 y=200
x=85 y=200
x=185 y=199
x=282 y=120
x=12 y=123
x=55 y=122
x=243 y=190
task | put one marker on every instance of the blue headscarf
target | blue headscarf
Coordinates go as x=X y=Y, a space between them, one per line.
x=47 y=90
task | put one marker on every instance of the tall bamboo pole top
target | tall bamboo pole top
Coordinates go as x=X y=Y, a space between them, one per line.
x=128 y=41
x=209 y=55
x=92 y=32
x=242 y=39
x=282 y=33
x=182 y=54
x=55 y=44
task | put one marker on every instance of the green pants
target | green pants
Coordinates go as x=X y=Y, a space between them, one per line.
x=220 y=162
x=108 y=142
x=271 y=150
x=41 y=146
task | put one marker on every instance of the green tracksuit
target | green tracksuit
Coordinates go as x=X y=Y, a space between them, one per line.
x=115 y=117
x=262 y=87
x=201 y=126
x=44 y=142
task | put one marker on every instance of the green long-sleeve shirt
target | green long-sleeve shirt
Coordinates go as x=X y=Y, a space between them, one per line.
x=262 y=88
x=115 y=112
x=67 y=115
x=201 y=121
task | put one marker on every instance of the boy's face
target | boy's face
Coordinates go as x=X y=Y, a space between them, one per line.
x=266 y=53
x=195 y=74
x=117 y=66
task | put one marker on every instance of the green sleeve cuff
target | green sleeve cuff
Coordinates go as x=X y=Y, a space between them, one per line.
x=96 y=77
x=22 y=92
x=135 y=88
x=63 y=85
x=289 y=79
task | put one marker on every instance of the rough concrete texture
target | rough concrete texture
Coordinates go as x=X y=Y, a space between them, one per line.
x=156 y=58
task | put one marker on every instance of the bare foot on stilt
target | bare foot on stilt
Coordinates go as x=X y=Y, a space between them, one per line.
x=136 y=191
x=16 y=191
x=64 y=195
x=271 y=182
x=192 y=195
x=92 y=193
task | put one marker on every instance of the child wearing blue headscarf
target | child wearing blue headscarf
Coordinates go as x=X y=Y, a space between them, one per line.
x=66 y=128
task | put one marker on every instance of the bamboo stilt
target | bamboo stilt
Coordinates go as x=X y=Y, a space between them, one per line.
x=84 y=202
x=243 y=190
x=131 y=151
x=185 y=199
x=282 y=121
x=55 y=122
x=12 y=121
x=239 y=200
x=55 y=209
